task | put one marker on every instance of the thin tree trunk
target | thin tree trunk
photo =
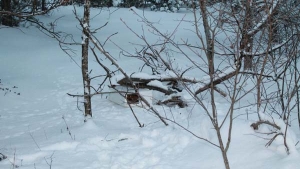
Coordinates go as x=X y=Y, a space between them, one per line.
x=247 y=40
x=222 y=148
x=210 y=58
x=84 y=64
x=297 y=92
x=209 y=41
x=34 y=6
x=275 y=29
x=44 y=5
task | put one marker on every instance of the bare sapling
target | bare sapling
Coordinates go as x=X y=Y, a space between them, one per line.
x=100 y=47
x=234 y=80
x=84 y=61
x=277 y=74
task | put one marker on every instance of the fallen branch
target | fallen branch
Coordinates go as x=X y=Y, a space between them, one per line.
x=173 y=81
x=216 y=82
x=162 y=79
x=256 y=125
x=145 y=86
x=276 y=133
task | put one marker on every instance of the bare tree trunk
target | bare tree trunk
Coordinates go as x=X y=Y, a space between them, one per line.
x=6 y=19
x=34 y=6
x=84 y=63
x=223 y=150
x=297 y=92
x=275 y=28
x=210 y=58
x=44 y=5
x=247 y=40
x=209 y=41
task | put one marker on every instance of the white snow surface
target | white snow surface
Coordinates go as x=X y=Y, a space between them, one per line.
x=159 y=84
x=43 y=127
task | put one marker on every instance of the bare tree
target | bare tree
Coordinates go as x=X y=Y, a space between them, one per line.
x=252 y=18
x=253 y=40
x=153 y=55
x=274 y=55
x=84 y=60
x=209 y=51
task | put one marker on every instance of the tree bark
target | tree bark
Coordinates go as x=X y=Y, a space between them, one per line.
x=247 y=40
x=222 y=148
x=216 y=82
x=44 y=5
x=210 y=59
x=84 y=63
x=34 y=6
x=209 y=40
x=7 y=20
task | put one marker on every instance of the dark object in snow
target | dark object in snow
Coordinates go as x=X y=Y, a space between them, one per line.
x=132 y=98
x=2 y=157
x=126 y=95
x=256 y=125
x=8 y=89
x=175 y=85
x=122 y=139
x=175 y=100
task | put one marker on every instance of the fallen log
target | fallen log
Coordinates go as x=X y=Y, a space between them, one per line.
x=216 y=82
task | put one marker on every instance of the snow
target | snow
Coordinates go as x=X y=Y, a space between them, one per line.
x=156 y=83
x=85 y=25
x=142 y=75
x=33 y=133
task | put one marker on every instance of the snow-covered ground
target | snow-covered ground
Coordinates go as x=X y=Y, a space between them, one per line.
x=43 y=128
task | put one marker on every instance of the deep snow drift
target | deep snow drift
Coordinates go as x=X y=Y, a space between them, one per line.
x=43 y=127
